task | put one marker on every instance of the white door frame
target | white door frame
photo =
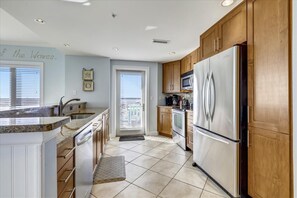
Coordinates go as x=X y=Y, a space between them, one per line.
x=114 y=92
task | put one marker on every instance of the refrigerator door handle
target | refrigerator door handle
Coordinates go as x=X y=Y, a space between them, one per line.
x=206 y=113
x=212 y=104
x=216 y=139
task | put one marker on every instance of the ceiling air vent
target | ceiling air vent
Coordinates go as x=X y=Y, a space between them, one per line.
x=160 y=41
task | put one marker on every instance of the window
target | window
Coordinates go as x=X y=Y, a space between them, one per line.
x=20 y=84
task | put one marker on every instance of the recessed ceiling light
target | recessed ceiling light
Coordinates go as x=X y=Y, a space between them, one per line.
x=67 y=45
x=171 y=53
x=87 y=3
x=40 y=21
x=116 y=49
x=150 y=27
x=77 y=1
x=226 y=3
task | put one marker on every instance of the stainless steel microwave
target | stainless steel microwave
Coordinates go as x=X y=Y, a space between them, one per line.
x=187 y=81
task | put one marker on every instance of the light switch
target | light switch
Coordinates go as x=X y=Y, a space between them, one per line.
x=74 y=92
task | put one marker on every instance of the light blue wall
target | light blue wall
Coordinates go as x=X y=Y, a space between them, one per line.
x=155 y=92
x=100 y=97
x=54 y=67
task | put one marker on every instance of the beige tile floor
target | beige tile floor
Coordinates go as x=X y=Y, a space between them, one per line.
x=158 y=168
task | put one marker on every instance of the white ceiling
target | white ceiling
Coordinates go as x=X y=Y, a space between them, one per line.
x=91 y=30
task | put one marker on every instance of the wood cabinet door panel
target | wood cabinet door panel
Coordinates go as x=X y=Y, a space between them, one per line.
x=164 y=120
x=269 y=65
x=194 y=58
x=183 y=66
x=167 y=76
x=232 y=28
x=208 y=42
x=269 y=164
x=176 y=77
x=166 y=123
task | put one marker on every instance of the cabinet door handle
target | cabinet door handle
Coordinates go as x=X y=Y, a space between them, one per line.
x=67 y=154
x=218 y=43
x=68 y=177
x=214 y=45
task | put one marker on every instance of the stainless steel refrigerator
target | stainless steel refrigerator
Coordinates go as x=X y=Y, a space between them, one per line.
x=220 y=119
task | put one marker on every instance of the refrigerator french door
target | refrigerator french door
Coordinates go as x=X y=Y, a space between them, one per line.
x=219 y=118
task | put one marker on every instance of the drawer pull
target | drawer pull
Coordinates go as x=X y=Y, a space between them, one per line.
x=71 y=192
x=68 y=177
x=67 y=154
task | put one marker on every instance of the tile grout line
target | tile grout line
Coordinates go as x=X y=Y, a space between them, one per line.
x=171 y=151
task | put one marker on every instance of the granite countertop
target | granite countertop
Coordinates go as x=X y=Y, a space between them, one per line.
x=72 y=128
x=32 y=124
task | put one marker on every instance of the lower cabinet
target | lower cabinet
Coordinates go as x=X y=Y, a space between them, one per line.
x=66 y=170
x=164 y=121
x=269 y=164
x=189 y=117
x=97 y=145
x=105 y=127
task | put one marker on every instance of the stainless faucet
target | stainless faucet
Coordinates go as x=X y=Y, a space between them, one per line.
x=62 y=106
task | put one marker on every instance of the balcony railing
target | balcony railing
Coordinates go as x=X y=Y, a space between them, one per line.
x=130 y=113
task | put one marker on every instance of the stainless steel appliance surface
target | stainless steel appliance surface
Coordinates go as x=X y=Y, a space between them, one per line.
x=84 y=162
x=187 y=81
x=220 y=119
x=179 y=127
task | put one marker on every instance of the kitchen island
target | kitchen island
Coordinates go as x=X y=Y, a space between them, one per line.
x=28 y=151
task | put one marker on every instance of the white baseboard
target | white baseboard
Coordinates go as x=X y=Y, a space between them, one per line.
x=153 y=133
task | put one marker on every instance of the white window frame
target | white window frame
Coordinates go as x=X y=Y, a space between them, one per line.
x=24 y=64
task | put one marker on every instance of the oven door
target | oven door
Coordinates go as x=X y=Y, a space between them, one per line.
x=178 y=122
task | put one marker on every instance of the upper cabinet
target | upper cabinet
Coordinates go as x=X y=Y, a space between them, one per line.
x=171 y=77
x=232 y=28
x=187 y=63
x=208 y=42
x=229 y=31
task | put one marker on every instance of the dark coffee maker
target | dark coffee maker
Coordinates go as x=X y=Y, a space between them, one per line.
x=168 y=100
x=175 y=100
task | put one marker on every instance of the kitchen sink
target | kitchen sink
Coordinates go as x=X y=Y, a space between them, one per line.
x=75 y=116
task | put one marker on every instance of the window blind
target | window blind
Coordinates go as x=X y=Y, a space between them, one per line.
x=19 y=86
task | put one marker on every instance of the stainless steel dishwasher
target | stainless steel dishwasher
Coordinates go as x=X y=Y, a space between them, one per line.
x=84 y=162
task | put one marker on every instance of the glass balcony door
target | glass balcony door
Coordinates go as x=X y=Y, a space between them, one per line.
x=130 y=102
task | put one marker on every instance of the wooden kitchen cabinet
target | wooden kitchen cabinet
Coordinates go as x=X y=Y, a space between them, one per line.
x=189 y=116
x=105 y=127
x=208 y=42
x=195 y=57
x=97 y=143
x=164 y=121
x=270 y=125
x=185 y=65
x=171 y=77
x=230 y=30
x=66 y=169
x=188 y=62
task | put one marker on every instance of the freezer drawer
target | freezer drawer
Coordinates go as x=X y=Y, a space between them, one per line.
x=219 y=158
